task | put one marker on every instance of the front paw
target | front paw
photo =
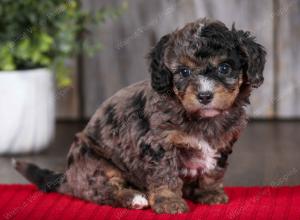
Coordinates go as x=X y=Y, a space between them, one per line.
x=170 y=205
x=212 y=198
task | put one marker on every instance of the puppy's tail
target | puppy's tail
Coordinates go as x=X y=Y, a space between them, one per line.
x=45 y=180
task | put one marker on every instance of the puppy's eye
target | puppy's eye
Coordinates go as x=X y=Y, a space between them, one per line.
x=185 y=72
x=224 y=68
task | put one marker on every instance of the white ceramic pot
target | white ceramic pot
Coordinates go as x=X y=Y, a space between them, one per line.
x=27 y=110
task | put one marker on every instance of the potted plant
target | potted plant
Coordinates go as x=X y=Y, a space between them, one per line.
x=36 y=39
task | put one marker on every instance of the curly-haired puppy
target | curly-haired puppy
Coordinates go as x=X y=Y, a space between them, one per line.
x=161 y=140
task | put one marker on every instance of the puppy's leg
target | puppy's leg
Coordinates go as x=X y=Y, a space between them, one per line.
x=122 y=195
x=101 y=182
x=165 y=188
x=207 y=190
x=165 y=200
x=93 y=178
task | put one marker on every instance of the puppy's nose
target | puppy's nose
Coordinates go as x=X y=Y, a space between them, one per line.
x=205 y=97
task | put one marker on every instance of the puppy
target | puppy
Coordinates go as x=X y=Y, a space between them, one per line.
x=159 y=141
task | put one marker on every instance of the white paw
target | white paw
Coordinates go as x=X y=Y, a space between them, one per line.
x=139 y=202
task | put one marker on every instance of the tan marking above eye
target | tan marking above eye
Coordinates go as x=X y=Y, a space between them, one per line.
x=188 y=62
x=217 y=60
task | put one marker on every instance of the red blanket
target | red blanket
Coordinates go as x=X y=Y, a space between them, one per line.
x=26 y=202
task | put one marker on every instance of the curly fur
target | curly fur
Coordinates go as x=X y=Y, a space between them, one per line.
x=154 y=139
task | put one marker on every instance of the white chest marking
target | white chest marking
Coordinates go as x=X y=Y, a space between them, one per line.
x=209 y=156
x=204 y=163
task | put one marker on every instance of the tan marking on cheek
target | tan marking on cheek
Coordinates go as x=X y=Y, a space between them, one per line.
x=189 y=99
x=224 y=98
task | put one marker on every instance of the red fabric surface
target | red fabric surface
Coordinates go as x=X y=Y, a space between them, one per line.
x=26 y=202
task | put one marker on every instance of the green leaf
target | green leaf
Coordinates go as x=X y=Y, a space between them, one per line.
x=6 y=58
x=45 y=42
x=38 y=33
x=23 y=49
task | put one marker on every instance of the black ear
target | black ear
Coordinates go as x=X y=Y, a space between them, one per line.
x=254 y=59
x=161 y=77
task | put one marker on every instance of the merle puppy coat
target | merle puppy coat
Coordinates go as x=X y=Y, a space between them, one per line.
x=161 y=140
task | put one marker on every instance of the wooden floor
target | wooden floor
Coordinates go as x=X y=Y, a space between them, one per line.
x=268 y=153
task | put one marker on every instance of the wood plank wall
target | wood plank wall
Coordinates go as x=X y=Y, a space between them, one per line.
x=126 y=41
x=288 y=59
